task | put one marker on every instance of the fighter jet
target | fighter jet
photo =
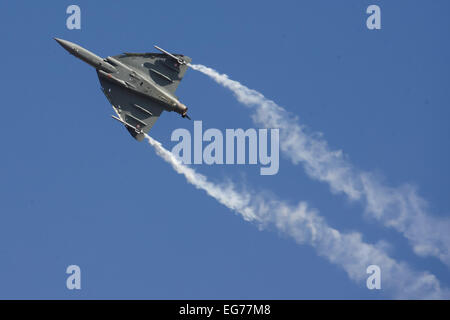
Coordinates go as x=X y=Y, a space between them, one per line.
x=139 y=86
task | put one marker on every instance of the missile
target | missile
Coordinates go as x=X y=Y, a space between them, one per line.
x=127 y=124
x=180 y=61
x=87 y=56
x=111 y=78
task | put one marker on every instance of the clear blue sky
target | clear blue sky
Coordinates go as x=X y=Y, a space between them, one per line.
x=75 y=188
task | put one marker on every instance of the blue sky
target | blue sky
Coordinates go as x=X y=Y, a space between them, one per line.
x=76 y=189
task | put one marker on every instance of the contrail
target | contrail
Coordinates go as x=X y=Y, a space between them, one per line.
x=399 y=208
x=306 y=227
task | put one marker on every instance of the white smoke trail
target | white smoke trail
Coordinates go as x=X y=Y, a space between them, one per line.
x=307 y=227
x=400 y=208
x=225 y=194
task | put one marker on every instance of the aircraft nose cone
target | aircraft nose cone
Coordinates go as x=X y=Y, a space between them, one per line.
x=60 y=41
x=64 y=43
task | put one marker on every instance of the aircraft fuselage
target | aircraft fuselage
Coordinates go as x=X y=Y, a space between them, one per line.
x=115 y=71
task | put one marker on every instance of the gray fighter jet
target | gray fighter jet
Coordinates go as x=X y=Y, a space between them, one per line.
x=139 y=86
